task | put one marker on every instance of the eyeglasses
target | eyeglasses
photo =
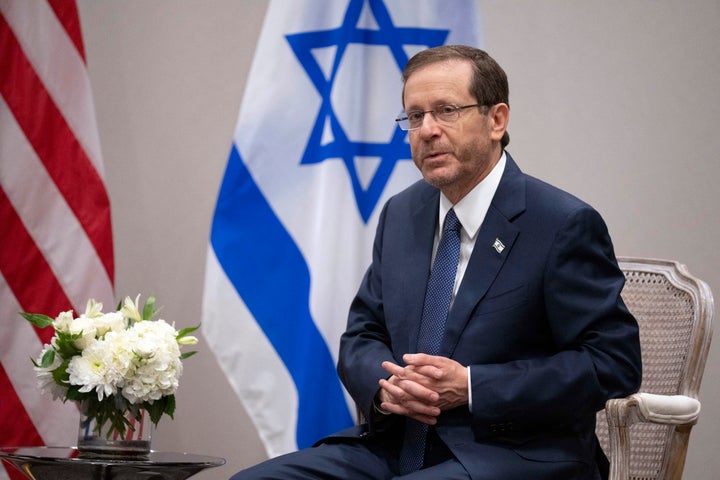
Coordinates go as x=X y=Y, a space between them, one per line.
x=444 y=113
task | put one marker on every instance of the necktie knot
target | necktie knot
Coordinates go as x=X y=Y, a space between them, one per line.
x=452 y=224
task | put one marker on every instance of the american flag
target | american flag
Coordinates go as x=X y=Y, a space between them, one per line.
x=56 y=248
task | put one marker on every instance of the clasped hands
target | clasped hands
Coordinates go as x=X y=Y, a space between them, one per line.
x=422 y=389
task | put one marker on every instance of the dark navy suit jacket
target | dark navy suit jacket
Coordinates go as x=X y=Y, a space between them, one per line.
x=539 y=320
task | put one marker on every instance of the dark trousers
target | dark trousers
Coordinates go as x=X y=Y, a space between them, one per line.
x=365 y=459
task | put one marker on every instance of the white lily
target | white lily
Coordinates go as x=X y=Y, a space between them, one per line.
x=131 y=310
x=187 y=340
x=93 y=309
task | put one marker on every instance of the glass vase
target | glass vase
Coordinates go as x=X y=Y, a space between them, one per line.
x=97 y=440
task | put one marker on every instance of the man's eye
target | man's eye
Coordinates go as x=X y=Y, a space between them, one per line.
x=415 y=116
x=446 y=110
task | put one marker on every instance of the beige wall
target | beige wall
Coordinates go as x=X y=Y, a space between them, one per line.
x=616 y=101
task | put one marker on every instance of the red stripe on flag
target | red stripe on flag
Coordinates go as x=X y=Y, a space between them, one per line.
x=56 y=145
x=67 y=13
x=26 y=271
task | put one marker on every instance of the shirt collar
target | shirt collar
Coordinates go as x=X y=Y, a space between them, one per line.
x=473 y=207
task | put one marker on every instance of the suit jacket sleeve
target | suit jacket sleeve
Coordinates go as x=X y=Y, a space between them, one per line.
x=366 y=341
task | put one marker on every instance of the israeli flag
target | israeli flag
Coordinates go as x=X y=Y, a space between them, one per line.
x=315 y=154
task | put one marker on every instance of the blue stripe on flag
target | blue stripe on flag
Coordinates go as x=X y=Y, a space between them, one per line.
x=270 y=274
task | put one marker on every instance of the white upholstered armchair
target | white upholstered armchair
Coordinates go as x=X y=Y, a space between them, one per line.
x=646 y=435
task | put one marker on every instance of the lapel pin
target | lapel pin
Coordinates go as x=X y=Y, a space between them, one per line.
x=498 y=246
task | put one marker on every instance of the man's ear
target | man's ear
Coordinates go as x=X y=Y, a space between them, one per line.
x=498 y=116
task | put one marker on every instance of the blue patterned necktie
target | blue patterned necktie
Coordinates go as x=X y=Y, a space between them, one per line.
x=435 y=311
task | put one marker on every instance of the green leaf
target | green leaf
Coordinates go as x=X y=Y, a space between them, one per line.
x=186 y=331
x=156 y=410
x=65 y=344
x=118 y=421
x=119 y=402
x=37 y=319
x=165 y=405
x=187 y=355
x=149 y=308
x=170 y=407
x=73 y=392
x=47 y=359
x=60 y=374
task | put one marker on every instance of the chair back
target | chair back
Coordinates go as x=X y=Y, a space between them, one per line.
x=674 y=311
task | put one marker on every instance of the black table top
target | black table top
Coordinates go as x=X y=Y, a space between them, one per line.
x=62 y=463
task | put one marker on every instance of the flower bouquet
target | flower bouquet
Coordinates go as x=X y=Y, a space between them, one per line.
x=121 y=367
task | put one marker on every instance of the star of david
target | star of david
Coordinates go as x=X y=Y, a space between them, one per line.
x=336 y=143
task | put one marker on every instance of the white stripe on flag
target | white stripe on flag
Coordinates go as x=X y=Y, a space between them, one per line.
x=247 y=359
x=315 y=155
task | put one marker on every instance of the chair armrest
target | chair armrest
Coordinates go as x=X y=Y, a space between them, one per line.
x=649 y=407
x=678 y=410
x=668 y=409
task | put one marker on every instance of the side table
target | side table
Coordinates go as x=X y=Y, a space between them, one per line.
x=61 y=463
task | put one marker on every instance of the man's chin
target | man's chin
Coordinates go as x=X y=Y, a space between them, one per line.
x=438 y=177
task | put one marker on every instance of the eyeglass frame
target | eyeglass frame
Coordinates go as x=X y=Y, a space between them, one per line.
x=404 y=117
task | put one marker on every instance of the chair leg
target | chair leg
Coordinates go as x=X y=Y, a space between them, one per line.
x=619 y=453
x=678 y=451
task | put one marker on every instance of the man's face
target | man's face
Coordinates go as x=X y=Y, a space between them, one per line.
x=456 y=156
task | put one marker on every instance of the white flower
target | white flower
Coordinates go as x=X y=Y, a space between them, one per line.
x=157 y=362
x=131 y=309
x=85 y=327
x=109 y=322
x=95 y=327
x=103 y=365
x=63 y=321
x=187 y=340
x=46 y=381
x=93 y=309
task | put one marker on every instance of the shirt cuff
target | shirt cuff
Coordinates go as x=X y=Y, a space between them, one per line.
x=469 y=390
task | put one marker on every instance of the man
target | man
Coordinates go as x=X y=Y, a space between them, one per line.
x=499 y=374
